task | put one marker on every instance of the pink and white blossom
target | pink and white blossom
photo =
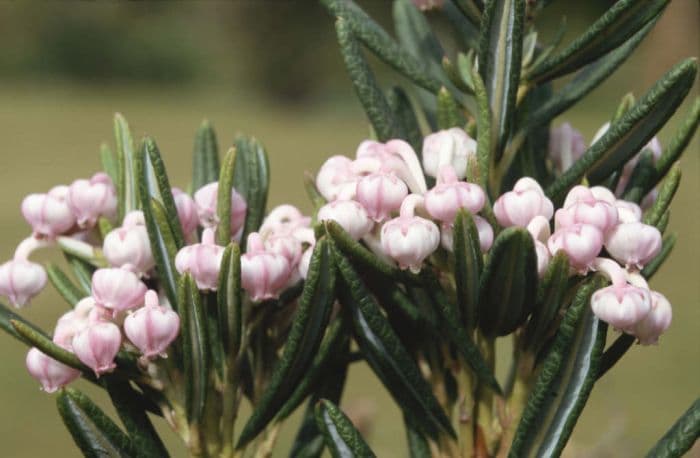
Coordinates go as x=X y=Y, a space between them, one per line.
x=349 y=214
x=263 y=274
x=186 y=211
x=21 y=280
x=519 y=206
x=97 y=345
x=633 y=244
x=581 y=243
x=48 y=214
x=448 y=147
x=129 y=247
x=449 y=195
x=50 y=373
x=656 y=322
x=117 y=289
x=566 y=146
x=622 y=305
x=152 y=328
x=202 y=261
x=90 y=199
x=381 y=194
x=206 y=200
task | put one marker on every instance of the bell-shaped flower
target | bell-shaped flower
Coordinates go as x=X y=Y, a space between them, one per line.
x=202 y=261
x=206 y=200
x=484 y=231
x=395 y=156
x=284 y=218
x=263 y=274
x=566 y=146
x=633 y=244
x=336 y=180
x=586 y=209
x=90 y=199
x=349 y=214
x=50 y=373
x=21 y=280
x=628 y=212
x=656 y=322
x=448 y=147
x=621 y=305
x=48 y=214
x=381 y=194
x=519 y=206
x=152 y=328
x=129 y=247
x=97 y=345
x=117 y=289
x=186 y=211
x=581 y=243
x=449 y=195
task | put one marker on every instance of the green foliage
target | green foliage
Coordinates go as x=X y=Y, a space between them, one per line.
x=251 y=178
x=342 y=439
x=682 y=435
x=205 y=157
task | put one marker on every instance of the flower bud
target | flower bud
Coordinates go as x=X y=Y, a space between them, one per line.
x=628 y=212
x=381 y=194
x=395 y=156
x=305 y=261
x=449 y=195
x=284 y=217
x=566 y=146
x=633 y=244
x=336 y=180
x=186 y=211
x=152 y=328
x=50 y=373
x=284 y=245
x=67 y=326
x=581 y=243
x=519 y=206
x=350 y=215
x=409 y=240
x=134 y=218
x=587 y=210
x=543 y=257
x=622 y=305
x=117 y=289
x=48 y=214
x=538 y=227
x=21 y=280
x=656 y=322
x=206 y=200
x=97 y=345
x=202 y=260
x=263 y=274
x=90 y=199
x=448 y=147
x=130 y=248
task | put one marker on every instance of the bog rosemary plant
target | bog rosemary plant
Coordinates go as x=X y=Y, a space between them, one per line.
x=466 y=218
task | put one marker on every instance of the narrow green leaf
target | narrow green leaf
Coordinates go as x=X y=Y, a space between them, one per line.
x=655 y=264
x=342 y=439
x=448 y=112
x=65 y=287
x=679 y=142
x=626 y=137
x=662 y=225
x=163 y=247
x=93 y=431
x=468 y=263
x=418 y=446
x=620 y=22
x=365 y=84
x=7 y=317
x=127 y=187
x=615 y=352
x=223 y=198
x=663 y=201
x=315 y=197
x=205 y=156
x=83 y=273
x=195 y=349
x=416 y=36
x=302 y=343
x=89 y=255
x=543 y=400
x=406 y=117
x=230 y=300
x=682 y=435
x=585 y=81
x=134 y=418
x=625 y=105
x=500 y=51
x=38 y=339
x=251 y=178
x=468 y=30
x=483 y=139
x=642 y=174
x=508 y=284
x=377 y=40
x=110 y=164
x=387 y=356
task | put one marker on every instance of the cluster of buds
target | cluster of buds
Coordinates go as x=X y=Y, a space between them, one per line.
x=381 y=198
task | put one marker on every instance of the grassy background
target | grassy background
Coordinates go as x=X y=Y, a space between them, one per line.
x=51 y=127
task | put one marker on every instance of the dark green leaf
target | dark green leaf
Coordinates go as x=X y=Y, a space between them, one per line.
x=620 y=22
x=302 y=343
x=7 y=317
x=163 y=247
x=110 y=164
x=468 y=30
x=642 y=174
x=223 y=198
x=448 y=112
x=653 y=266
x=667 y=190
x=418 y=446
x=65 y=287
x=205 y=157
x=500 y=50
x=83 y=273
x=626 y=137
x=93 y=432
x=508 y=284
x=230 y=300
x=681 y=437
x=127 y=187
x=132 y=414
x=483 y=127
x=38 y=339
x=316 y=198
x=342 y=439
x=387 y=356
x=416 y=36
x=251 y=178
x=365 y=84
x=405 y=115
x=193 y=333
x=468 y=264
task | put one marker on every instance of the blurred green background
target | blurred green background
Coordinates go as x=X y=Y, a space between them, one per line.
x=271 y=69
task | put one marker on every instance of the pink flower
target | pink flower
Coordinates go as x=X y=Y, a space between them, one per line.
x=484 y=229
x=428 y=4
x=628 y=212
x=538 y=227
x=186 y=211
x=395 y=156
x=336 y=180
x=117 y=289
x=566 y=146
x=134 y=218
x=284 y=218
x=152 y=328
x=48 y=214
x=448 y=147
x=70 y=324
x=21 y=280
x=584 y=208
x=581 y=242
x=284 y=245
x=263 y=274
x=621 y=305
x=633 y=244
x=202 y=260
x=449 y=195
x=381 y=194
x=656 y=322
x=519 y=206
x=543 y=257
x=50 y=373
x=350 y=215
x=90 y=199
x=97 y=345
x=305 y=261
x=206 y=200
x=130 y=248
